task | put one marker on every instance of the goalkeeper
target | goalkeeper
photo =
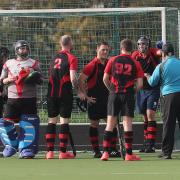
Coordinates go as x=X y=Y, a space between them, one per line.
x=21 y=75
x=97 y=93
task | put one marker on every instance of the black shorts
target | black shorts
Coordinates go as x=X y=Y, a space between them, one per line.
x=121 y=103
x=14 y=108
x=60 y=106
x=97 y=111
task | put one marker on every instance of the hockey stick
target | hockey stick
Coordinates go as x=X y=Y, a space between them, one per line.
x=72 y=143
x=121 y=139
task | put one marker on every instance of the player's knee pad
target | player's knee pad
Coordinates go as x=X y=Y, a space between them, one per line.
x=28 y=135
x=8 y=133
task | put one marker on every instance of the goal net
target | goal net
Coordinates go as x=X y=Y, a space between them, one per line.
x=43 y=28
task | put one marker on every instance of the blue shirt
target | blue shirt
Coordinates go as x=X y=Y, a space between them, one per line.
x=170 y=76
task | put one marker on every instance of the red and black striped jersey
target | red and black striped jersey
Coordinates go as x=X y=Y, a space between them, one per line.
x=59 y=73
x=123 y=71
x=148 y=63
x=95 y=71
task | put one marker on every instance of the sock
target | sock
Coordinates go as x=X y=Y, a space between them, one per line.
x=151 y=133
x=107 y=140
x=50 y=136
x=145 y=130
x=114 y=140
x=63 y=137
x=94 y=138
x=128 y=136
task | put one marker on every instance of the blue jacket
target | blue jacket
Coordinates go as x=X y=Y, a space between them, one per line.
x=169 y=78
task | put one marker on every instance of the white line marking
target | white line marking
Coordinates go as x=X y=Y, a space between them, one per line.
x=140 y=173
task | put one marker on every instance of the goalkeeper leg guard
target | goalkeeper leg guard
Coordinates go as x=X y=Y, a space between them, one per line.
x=29 y=135
x=9 y=138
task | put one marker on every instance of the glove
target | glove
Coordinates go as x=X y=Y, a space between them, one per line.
x=33 y=78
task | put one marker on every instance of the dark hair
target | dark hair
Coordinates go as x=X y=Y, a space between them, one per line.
x=102 y=43
x=4 y=52
x=126 y=44
x=168 y=48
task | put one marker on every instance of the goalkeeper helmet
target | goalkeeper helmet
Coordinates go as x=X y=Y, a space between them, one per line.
x=143 y=44
x=22 y=44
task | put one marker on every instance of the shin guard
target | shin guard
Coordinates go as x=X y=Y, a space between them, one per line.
x=29 y=135
x=8 y=137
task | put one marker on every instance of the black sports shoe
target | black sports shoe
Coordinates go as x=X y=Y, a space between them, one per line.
x=114 y=153
x=144 y=146
x=142 y=150
x=163 y=156
x=97 y=154
x=150 y=150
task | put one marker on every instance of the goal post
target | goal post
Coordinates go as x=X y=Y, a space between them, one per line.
x=43 y=27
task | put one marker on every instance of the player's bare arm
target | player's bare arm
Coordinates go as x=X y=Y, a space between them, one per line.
x=139 y=84
x=82 y=85
x=108 y=84
x=73 y=77
x=83 y=89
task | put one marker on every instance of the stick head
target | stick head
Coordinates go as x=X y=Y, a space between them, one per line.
x=82 y=105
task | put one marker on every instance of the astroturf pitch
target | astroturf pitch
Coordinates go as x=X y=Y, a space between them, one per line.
x=84 y=167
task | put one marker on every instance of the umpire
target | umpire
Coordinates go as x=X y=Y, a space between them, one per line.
x=168 y=75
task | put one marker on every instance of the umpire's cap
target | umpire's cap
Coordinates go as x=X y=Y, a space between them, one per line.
x=168 y=48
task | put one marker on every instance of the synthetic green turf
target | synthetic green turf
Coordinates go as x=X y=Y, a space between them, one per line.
x=84 y=167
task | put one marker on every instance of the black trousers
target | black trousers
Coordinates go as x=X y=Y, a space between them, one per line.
x=171 y=113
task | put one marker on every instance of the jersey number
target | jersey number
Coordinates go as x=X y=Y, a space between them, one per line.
x=124 y=69
x=57 y=63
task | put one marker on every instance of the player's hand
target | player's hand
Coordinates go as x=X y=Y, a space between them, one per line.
x=81 y=95
x=147 y=75
x=9 y=80
x=91 y=99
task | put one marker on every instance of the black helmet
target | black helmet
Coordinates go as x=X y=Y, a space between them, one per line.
x=21 y=43
x=146 y=40
x=4 y=52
